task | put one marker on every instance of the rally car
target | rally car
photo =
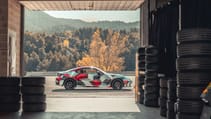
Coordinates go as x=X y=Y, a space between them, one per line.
x=89 y=76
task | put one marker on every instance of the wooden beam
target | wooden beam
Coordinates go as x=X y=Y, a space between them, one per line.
x=81 y=5
x=73 y=0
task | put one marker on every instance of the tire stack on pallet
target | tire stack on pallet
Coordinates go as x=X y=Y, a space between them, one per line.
x=172 y=97
x=163 y=96
x=193 y=66
x=33 y=97
x=141 y=75
x=151 y=82
x=9 y=94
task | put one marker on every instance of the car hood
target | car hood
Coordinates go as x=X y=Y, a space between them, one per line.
x=61 y=73
x=118 y=76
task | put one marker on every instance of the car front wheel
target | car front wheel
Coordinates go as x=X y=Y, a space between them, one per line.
x=70 y=84
x=117 y=85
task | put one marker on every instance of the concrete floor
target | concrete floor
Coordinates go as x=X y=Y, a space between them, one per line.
x=145 y=113
x=91 y=105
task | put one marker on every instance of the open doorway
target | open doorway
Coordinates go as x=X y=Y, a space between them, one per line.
x=60 y=47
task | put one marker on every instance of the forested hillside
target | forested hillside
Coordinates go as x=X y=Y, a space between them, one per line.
x=38 y=21
x=52 y=44
x=61 y=51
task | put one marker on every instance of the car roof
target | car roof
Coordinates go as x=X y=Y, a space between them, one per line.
x=83 y=67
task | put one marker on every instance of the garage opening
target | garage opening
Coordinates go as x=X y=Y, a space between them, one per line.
x=55 y=45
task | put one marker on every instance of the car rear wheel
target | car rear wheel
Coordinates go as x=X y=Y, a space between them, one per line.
x=117 y=85
x=70 y=84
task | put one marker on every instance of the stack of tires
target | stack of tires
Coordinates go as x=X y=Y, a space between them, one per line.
x=163 y=96
x=9 y=94
x=172 y=97
x=33 y=97
x=151 y=81
x=141 y=75
x=193 y=66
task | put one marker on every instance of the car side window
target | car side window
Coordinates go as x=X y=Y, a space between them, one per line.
x=72 y=73
x=91 y=72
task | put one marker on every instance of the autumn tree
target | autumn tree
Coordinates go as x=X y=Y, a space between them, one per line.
x=106 y=56
x=94 y=57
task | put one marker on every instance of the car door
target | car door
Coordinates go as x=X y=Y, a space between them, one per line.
x=104 y=78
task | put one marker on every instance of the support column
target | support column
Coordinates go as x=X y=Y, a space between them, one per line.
x=22 y=41
x=144 y=24
x=146 y=8
x=3 y=36
x=10 y=37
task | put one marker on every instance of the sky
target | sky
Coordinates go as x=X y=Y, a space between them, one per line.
x=93 y=16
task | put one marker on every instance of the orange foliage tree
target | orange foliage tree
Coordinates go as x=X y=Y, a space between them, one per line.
x=106 y=55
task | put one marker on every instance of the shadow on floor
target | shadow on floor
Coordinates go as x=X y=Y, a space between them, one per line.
x=149 y=112
x=90 y=90
x=82 y=115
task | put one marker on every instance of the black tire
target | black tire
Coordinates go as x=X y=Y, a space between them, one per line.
x=172 y=84
x=10 y=98
x=163 y=92
x=163 y=82
x=191 y=93
x=163 y=102
x=141 y=65
x=141 y=87
x=141 y=99
x=163 y=112
x=117 y=85
x=32 y=90
x=193 y=78
x=8 y=90
x=70 y=84
x=194 y=35
x=151 y=103
x=141 y=91
x=151 y=59
x=151 y=89
x=193 y=64
x=151 y=96
x=170 y=105
x=151 y=82
x=190 y=107
x=171 y=114
x=34 y=98
x=141 y=51
x=194 y=49
x=141 y=76
x=141 y=68
x=151 y=67
x=187 y=116
x=151 y=75
x=9 y=107
x=33 y=81
x=141 y=79
x=151 y=51
x=141 y=82
x=34 y=107
x=141 y=59
x=10 y=81
x=172 y=95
